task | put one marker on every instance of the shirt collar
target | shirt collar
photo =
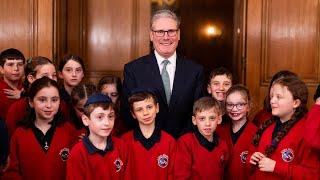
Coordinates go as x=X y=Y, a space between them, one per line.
x=172 y=59
x=92 y=149
x=278 y=127
x=235 y=136
x=151 y=141
x=44 y=139
x=204 y=142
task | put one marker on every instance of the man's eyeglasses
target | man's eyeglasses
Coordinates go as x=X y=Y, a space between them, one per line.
x=239 y=106
x=161 y=33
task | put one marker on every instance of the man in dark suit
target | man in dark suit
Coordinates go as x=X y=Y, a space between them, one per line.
x=177 y=81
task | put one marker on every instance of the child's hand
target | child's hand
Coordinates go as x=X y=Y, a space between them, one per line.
x=267 y=164
x=256 y=157
x=13 y=94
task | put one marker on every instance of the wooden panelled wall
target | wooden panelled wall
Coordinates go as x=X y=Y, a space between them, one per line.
x=28 y=26
x=107 y=34
x=282 y=34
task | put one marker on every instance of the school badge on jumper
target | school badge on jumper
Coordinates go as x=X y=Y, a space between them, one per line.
x=163 y=160
x=287 y=155
x=222 y=159
x=118 y=163
x=243 y=156
x=64 y=153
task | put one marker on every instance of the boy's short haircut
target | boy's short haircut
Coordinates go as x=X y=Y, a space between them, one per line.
x=206 y=103
x=220 y=71
x=140 y=96
x=95 y=101
x=11 y=54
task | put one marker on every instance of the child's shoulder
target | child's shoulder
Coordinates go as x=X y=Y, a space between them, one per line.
x=117 y=141
x=166 y=136
x=127 y=136
x=251 y=127
x=79 y=146
x=186 y=136
x=78 y=149
x=21 y=132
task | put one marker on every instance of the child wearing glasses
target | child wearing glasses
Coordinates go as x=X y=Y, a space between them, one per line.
x=202 y=154
x=238 y=131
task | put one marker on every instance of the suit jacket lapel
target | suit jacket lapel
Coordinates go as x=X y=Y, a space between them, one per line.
x=178 y=82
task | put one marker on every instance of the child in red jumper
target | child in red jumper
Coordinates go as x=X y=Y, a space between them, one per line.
x=12 y=69
x=265 y=113
x=39 y=149
x=237 y=132
x=36 y=67
x=151 y=150
x=279 y=150
x=202 y=154
x=71 y=71
x=98 y=156
x=220 y=80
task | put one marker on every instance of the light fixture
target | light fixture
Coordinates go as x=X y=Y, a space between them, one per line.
x=212 y=31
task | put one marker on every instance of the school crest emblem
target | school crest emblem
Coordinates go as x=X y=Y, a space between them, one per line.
x=243 y=156
x=64 y=154
x=222 y=159
x=163 y=160
x=287 y=155
x=118 y=164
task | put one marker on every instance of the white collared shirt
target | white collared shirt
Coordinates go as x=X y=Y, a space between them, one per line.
x=171 y=67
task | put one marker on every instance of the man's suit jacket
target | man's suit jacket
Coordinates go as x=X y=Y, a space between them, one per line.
x=174 y=118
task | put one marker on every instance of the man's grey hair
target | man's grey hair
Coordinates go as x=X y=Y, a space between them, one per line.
x=164 y=13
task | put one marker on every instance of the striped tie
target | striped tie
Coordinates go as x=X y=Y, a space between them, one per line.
x=166 y=80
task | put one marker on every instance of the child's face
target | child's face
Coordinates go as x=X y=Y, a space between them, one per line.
x=111 y=91
x=207 y=122
x=47 y=70
x=237 y=106
x=72 y=73
x=13 y=70
x=218 y=87
x=79 y=107
x=282 y=102
x=100 y=122
x=46 y=103
x=145 y=111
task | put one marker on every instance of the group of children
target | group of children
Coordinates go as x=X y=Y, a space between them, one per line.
x=73 y=130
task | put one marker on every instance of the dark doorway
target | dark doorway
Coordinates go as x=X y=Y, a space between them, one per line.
x=211 y=50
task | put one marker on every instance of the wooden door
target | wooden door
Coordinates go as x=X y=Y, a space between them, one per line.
x=28 y=26
x=281 y=34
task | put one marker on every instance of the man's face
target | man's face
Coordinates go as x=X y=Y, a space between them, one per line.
x=167 y=44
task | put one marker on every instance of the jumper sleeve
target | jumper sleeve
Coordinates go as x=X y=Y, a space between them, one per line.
x=13 y=171
x=75 y=166
x=183 y=160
